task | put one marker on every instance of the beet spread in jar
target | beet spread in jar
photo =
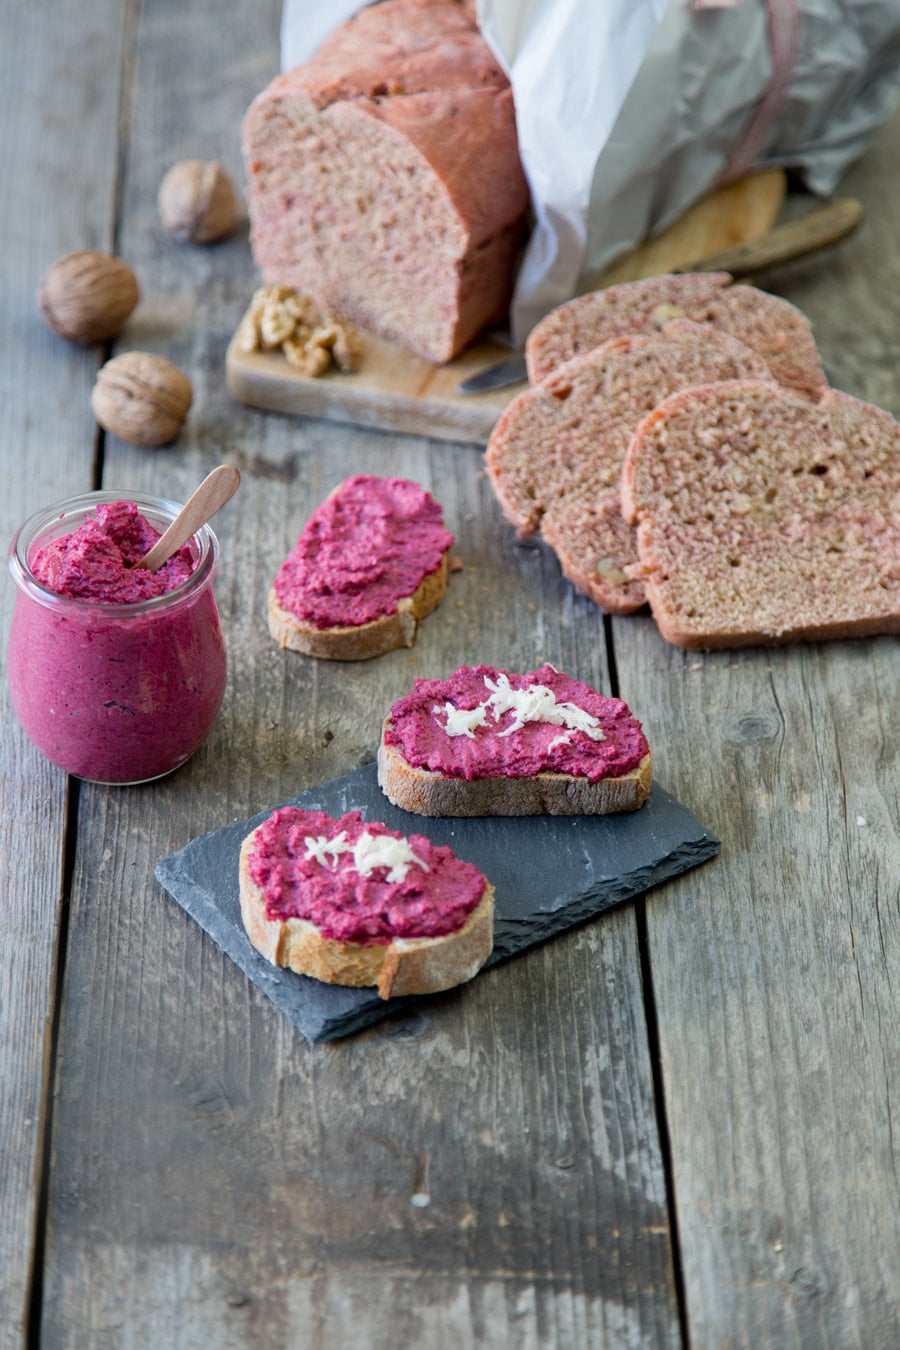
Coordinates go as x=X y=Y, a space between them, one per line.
x=116 y=673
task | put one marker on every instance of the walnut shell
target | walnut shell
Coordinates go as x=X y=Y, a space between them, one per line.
x=197 y=201
x=87 y=296
x=141 y=398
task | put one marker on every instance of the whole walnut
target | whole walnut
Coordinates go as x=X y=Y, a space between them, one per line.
x=87 y=296
x=197 y=201
x=142 y=398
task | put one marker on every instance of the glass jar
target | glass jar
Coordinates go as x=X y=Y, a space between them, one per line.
x=115 y=692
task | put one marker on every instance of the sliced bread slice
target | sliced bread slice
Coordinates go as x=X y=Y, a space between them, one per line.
x=486 y=743
x=353 y=903
x=773 y=327
x=555 y=456
x=764 y=519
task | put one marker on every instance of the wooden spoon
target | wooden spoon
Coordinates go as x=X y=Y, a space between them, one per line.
x=212 y=494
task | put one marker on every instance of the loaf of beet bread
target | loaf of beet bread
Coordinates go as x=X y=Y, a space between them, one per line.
x=771 y=326
x=555 y=456
x=484 y=742
x=764 y=519
x=354 y=903
x=383 y=176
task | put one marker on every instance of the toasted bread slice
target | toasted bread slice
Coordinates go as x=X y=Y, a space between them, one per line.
x=371 y=562
x=359 y=642
x=402 y=965
x=483 y=742
x=552 y=794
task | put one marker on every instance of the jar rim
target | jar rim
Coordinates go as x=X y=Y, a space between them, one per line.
x=29 y=532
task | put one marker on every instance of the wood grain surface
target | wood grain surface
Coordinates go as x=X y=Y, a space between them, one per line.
x=672 y=1127
x=58 y=194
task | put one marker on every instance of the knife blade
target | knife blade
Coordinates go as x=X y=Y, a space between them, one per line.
x=795 y=239
x=510 y=371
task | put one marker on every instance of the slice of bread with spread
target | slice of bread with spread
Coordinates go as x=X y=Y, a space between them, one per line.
x=555 y=456
x=484 y=742
x=772 y=327
x=764 y=519
x=370 y=564
x=351 y=902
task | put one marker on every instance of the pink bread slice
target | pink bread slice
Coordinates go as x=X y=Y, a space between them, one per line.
x=775 y=329
x=763 y=519
x=555 y=456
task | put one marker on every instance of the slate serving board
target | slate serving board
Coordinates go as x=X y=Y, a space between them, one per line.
x=549 y=873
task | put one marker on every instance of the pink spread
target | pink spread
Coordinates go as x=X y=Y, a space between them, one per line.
x=368 y=545
x=308 y=866
x=116 y=673
x=474 y=725
x=97 y=561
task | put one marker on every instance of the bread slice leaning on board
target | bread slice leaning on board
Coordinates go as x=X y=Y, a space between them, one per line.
x=772 y=327
x=506 y=754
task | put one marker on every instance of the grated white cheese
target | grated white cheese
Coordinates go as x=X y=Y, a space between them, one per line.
x=327 y=851
x=369 y=851
x=462 y=721
x=538 y=704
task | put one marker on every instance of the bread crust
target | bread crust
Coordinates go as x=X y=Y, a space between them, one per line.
x=362 y=641
x=555 y=794
x=403 y=966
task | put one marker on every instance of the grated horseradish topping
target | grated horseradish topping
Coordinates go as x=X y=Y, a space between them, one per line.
x=369 y=851
x=463 y=721
x=537 y=703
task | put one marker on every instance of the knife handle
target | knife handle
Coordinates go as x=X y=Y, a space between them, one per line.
x=815 y=230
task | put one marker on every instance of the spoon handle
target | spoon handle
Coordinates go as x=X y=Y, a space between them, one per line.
x=212 y=494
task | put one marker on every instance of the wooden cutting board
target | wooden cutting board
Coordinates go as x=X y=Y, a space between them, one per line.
x=396 y=391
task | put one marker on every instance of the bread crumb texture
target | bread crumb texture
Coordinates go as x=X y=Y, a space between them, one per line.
x=555 y=456
x=764 y=519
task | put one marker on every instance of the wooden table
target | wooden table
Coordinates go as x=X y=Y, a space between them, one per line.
x=676 y=1125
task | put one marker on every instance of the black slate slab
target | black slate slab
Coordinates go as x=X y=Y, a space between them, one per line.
x=549 y=873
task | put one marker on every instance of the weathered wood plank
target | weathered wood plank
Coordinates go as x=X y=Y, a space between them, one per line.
x=58 y=154
x=784 y=953
x=216 y=1179
x=775 y=969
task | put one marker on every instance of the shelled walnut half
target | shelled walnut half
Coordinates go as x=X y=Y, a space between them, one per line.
x=310 y=339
